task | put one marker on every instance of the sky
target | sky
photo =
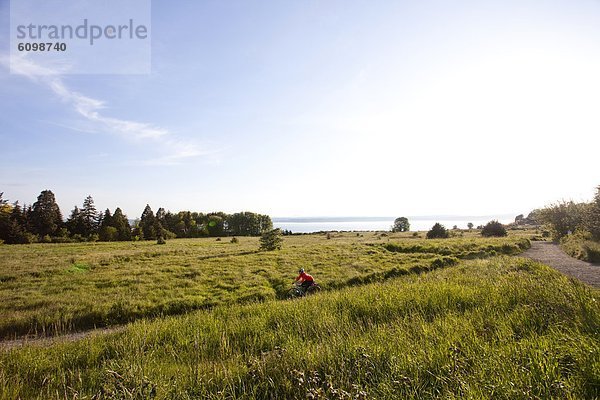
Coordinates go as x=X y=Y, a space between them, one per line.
x=320 y=108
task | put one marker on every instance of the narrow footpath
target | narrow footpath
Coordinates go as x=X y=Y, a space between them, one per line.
x=551 y=254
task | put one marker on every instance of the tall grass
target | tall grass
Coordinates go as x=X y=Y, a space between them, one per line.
x=57 y=288
x=501 y=328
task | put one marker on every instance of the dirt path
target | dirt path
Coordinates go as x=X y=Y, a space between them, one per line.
x=551 y=254
x=48 y=341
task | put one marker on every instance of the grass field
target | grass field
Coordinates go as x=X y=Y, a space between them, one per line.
x=57 y=288
x=499 y=328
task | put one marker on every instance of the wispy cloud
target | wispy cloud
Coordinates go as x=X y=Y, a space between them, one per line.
x=175 y=150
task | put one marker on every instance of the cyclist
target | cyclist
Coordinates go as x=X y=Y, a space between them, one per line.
x=304 y=280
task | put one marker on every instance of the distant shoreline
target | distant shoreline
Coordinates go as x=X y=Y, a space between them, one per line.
x=417 y=223
x=374 y=219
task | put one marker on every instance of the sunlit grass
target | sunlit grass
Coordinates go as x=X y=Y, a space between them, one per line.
x=496 y=328
x=55 y=288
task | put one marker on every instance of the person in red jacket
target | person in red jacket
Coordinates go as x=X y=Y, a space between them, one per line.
x=305 y=280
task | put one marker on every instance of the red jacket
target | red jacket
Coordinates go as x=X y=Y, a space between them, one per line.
x=304 y=277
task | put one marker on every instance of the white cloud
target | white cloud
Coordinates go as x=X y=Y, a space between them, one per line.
x=175 y=150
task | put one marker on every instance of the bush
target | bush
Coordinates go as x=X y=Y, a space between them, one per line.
x=161 y=240
x=580 y=245
x=493 y=228
x=437 y=231
x=271 y=240
x=234 y=240
x=565 y=217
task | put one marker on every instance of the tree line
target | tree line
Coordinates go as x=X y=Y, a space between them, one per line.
x=43 y=222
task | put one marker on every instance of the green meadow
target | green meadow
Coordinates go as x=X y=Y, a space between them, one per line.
x=58 y=288
x=399 y=317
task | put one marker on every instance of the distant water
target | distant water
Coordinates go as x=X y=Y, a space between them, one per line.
x=422 y=223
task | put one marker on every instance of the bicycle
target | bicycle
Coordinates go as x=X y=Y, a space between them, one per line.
x=298 y=291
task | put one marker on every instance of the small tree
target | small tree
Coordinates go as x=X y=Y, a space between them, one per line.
x=401 y=224
x=470 y=225
x=438 y=231
x=493 y=228
x=565 y=217
x=271 y=240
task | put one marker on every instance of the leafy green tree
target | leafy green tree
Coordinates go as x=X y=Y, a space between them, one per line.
x=564 y=217
x=470 y=225
x=271 y=240
x=45 y=216
x=401 y=224
x=215 y=225
x=438 y=231
x=493 y=228
x=248 y=224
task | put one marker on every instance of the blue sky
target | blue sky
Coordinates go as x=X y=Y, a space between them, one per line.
x=303 y=108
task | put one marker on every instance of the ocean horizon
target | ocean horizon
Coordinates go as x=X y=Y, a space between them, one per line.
x=417 y=223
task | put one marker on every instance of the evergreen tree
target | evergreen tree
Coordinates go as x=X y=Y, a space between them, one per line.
x=89 y=217
x=160 y=223
x=107 y=232
x=46 y=217
x=271 y=240
x=120 y=222
x=74 y=223
x=5 y=212
x=148 y=224
x=437 y=231
x=493 y=228
x=106 y=220
x=17 y=232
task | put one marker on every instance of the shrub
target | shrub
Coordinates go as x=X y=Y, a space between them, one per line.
x=580 y=245
x=271 y=240
x=565 y=217
x=234 y=240
x=161 y=240
x=493 y=228
x=437 y=231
